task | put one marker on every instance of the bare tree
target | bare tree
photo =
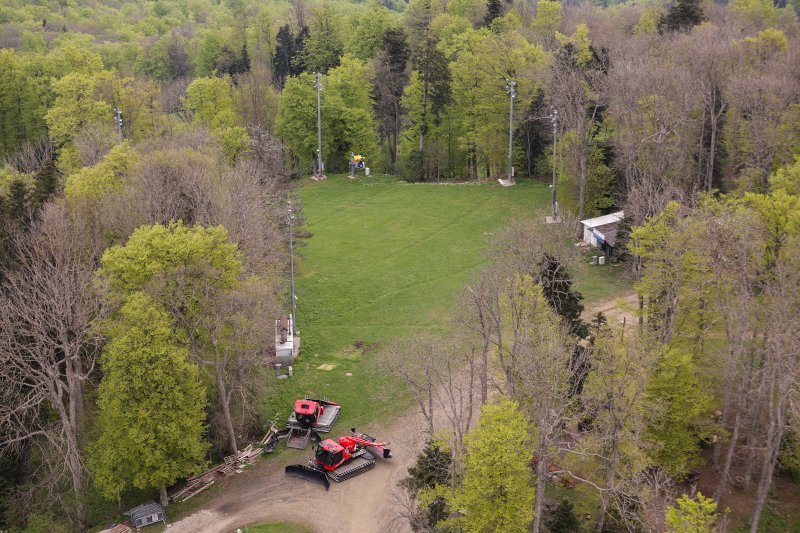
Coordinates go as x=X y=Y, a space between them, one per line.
x=32 y=155
x=231 y=338
x=48 y=348
x=578 y=93
x=611 y=400
x=781 y=369
x=546 y=378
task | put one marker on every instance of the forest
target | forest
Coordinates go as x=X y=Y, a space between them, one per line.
x=150 y=150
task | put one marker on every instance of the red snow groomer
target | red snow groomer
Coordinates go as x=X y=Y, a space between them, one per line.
x=341 y=459
x=309 y=417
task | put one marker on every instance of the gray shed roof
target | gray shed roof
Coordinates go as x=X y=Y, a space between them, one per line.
x=146 y=509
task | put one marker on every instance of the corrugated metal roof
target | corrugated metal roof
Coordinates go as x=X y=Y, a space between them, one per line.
x=146 y=509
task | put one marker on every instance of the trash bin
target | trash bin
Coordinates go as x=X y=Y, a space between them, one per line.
x=602 y=259
x=366 y=171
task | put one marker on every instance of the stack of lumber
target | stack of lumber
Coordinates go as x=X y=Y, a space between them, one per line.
x=195 y=485
x=230 y=466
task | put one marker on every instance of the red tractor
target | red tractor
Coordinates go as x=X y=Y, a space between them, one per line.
x=309 y=417
x=341 y=459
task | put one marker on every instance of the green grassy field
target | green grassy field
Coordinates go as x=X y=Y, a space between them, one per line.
x=385 y=259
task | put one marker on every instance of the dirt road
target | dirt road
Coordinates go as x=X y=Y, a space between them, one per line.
x=626 y=306
x=362 y=504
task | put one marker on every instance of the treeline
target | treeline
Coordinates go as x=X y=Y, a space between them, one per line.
x=135 y=336
x=653 y=103
x=705 y=379
x=160 y=233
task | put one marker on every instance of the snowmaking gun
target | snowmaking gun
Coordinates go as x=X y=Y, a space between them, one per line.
x=341 y=459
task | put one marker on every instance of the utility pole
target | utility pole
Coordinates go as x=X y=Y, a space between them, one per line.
x=118 y=122
x=291 y=267
x=320 y=167
x=512 y=93
x=554 y=119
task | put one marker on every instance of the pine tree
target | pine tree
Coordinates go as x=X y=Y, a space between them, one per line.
x=684 y=16
x=17 y=202
x=244 y=61
x=431 y=470
x=564 y=519
x=557 y=288
x=45 y=183
x=494 y=9
x=284 y=54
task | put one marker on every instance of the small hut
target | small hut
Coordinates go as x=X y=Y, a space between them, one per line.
x=147 y=514
x=602 y=231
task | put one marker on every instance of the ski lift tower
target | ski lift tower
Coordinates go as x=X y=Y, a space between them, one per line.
x=319 y=173
x=512 y=93
x=287 y=341
x=554 y=218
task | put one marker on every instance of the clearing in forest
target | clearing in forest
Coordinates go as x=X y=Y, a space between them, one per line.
x=385 y=259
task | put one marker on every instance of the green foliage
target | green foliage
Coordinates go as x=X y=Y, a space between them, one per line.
x=761 y=13
x=428 y=478
x=213 y=103
x=679 y=404
x=176 y=254
x=496 y=493
x=484 y=60
x=691 y=515
x=601 y=179
x=787 y=178
x=790 y=455
x=323 y=48
x=557 y=288
x=365 y=38
x=563 y=519
x=432 y=468
x=346 y=115
x=22 y=107
x=208 y=51
x=77 y=104
x=547 y=21
x=105 y=176
x=151 y=403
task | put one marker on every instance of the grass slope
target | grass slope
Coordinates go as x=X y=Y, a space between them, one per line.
x=386 y=259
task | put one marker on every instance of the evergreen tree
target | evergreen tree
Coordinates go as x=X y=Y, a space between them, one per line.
x=494 y=9
x=284 y=55
x=226 y=62
x=431 y=470
x=151 y=404
x=684 y=16
x=45 y=183
x=297 y=66
x=557 y=288
x=17 y=202
x=563 y=519
x=244 y=61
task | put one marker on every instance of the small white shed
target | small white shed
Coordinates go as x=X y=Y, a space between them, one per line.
x=602 y=231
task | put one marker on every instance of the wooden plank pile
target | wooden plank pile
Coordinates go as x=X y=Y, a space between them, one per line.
x=233 y=464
